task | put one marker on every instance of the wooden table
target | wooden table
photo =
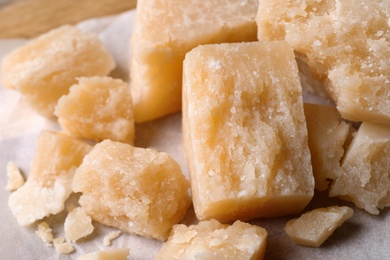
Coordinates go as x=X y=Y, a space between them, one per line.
x=29 y=18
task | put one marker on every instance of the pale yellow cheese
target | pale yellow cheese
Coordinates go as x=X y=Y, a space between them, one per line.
x=62 y=246
x=44 y=69
x=344 y=40
x=328 y=134
x=365 y=178
x=15 y=177
x=111 y=236
x=140 y=191
x=77 y=225
x=51 y=174
x=98 y=108
x=164 y=31
x=314 y=227
x=113 y=254
x=244 y=131
x=213 y=240
x=45 y=233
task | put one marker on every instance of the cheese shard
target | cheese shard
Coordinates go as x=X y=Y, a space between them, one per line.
x=113 y=254
x=140 y=191
x=62 y=246
x=51 y=174
x=44 y=69
x=346 y=41
x=213 y=240
x=77 y=225
x=15 y=177
x=98 y=108
x=244 y=131
x=165 y=31
x=328 y=134
x=314 y=227
x=45 y=233
x=111 y=236
x=365 y=178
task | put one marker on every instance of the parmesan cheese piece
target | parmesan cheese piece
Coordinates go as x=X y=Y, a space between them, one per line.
x=45 y=233
x=314 y=227
x=137 y=190
x=365 y=178
x=77 y=225
x=111 y=236
x=98 y=108
x=244 y=131
x=62 y=246
x=51 y=174
x=45 y=68
x=328 y=134
x=346 y=41
x=15 y=177
x=213 y=240
x=114 y=254
x=164 y=31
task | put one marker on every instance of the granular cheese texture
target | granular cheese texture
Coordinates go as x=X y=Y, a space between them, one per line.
x=45 y=233
x=51 y=174
x=347 y=41
x=328 y=135
x=62 y=246
x=77 y=225
x=15 y=177
x=44 y=69
x=244 y=131
x=164 y=31
x=140 y=191
x=365 y=178
x=113 y=254
x=316 y=226
x=98 y=108
x=213 y=240
x=111 y=236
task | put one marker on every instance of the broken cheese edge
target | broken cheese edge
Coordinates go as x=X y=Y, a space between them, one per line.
x=314 y=227
x=15 y=177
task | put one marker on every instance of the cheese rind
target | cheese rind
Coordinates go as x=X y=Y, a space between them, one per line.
x=44 y=69
x=314 y=227
x=213 y=240
x=346 y=41
x=98 y=108
x=140 y=191
x=165 y=31
x=244 y=131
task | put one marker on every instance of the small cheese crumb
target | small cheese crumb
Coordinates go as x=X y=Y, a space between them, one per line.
x=45 y=233
x=15 y=177
x=77 y=225
x=62 y=246
x=314 y=227
x=117 y=254
x=111 y=236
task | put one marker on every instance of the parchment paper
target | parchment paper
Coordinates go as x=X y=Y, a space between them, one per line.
x=364 y=236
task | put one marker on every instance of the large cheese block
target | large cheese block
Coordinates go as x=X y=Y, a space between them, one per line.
x=244 y=131
x=164 y=31
x=346 y=41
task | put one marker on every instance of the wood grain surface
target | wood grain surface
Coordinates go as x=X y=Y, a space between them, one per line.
x=29 y=18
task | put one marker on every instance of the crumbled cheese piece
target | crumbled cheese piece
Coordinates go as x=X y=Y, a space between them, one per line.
x=111 y=236
x=45 y=233
x=114 y=254
x=62 y=246
x=15 y=177
x=77 y=225
x=314 y=227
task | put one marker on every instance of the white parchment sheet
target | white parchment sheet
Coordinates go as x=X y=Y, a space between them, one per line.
x=364 y=236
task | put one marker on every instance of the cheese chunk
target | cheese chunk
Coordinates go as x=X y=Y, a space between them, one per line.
x=164 y=31
x=344 y=40
x=45 y=233
x=77 y=225
x=44 y=69
x=62 y=246
x=365 y=178
x=98 y=108
x=15 y=177
x=244 y=131
x=314 y=227
x=328 y=134
x=51 y=174
x=137 y=190
x=113 y=254
x=213 y=240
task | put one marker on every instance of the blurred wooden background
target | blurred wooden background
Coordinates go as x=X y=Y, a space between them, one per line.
x=29 y=18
